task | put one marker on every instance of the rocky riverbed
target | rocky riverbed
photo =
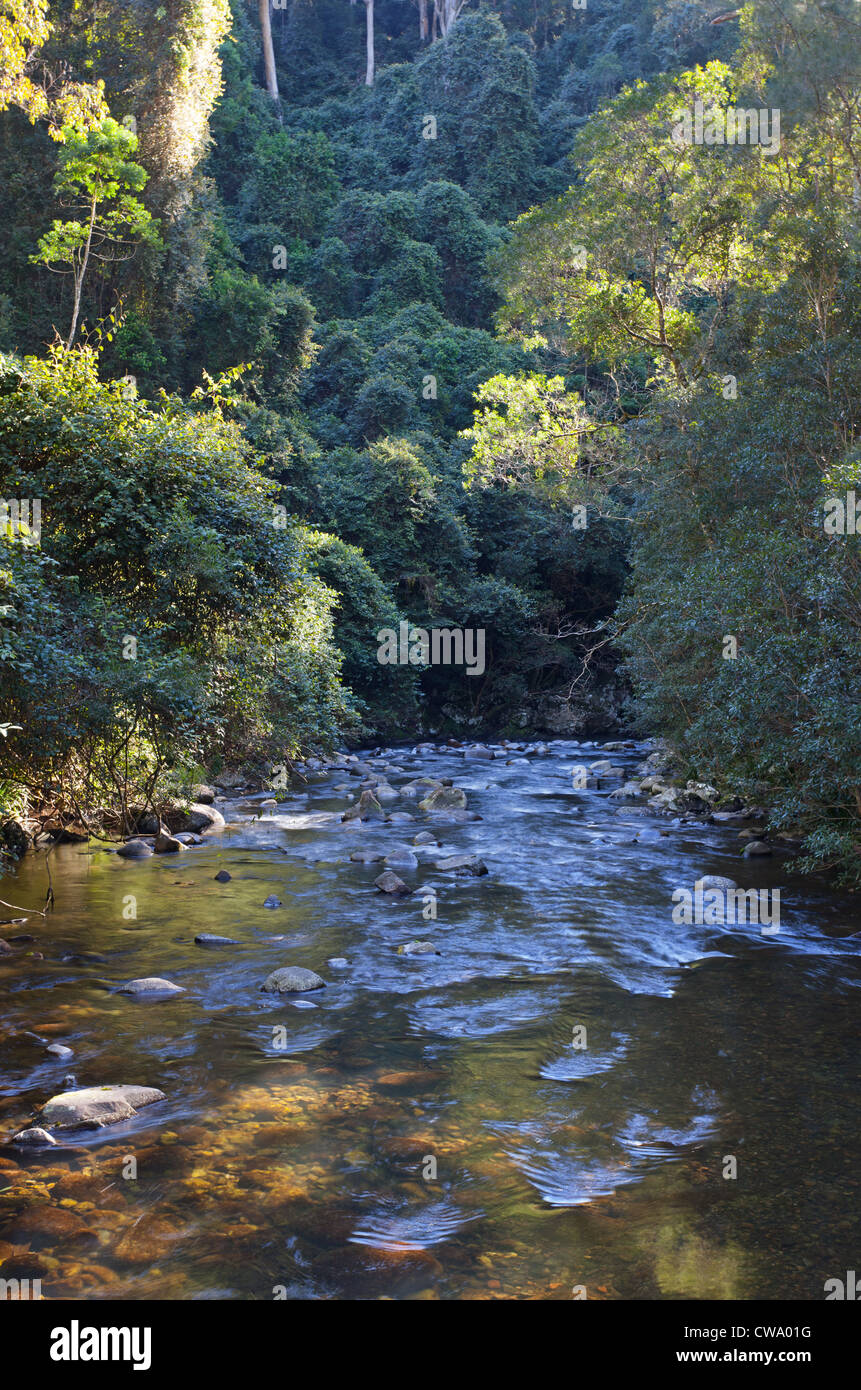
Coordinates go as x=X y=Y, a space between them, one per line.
x=428 y=1023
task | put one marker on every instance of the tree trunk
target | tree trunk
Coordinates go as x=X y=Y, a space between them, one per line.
x=369 y=34
x=268 y=52
x=423 y=21
x=79 y=274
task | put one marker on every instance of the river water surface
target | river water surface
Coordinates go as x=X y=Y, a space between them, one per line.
x=432 y=1126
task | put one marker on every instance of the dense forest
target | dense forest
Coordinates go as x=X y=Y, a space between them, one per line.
x=321 y=317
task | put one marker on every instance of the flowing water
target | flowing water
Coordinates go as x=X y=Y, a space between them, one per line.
x=549 y=1104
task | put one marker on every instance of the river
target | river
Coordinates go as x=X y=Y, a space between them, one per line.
x=576 y=1096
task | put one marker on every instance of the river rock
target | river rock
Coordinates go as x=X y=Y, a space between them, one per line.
x=206 y=939
x=272 y=901
x=135 y=849
x=444 y=799
x=367 y=856
x=223 y=876
x=418 y=948
x=197 y=818
x=151 y=984
x=366 y=808
x=97 y=1106
x=167 y=844
x=389 y=882
x=60 y=1050
x=401 y=857
x=292 y=979
x=462 y=864
x=755 y=848
x=425 y=837
x=203 y=795
x=34 y=1138
x=715 y=881
x=5 y=948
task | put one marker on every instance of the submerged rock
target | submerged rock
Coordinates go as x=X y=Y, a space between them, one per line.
x=462 y=864
x=715 y=881
x=418 y=948
x=367 y=856
x=97 y=1106
x=151 y=984
x=223 y=876
x=756 y=848
x=272 y=901
x=292 y=979
x=60 y=1050
x=402 y=857
x=206 y=939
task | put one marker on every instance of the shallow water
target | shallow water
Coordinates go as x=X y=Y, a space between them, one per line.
x=427 y=1126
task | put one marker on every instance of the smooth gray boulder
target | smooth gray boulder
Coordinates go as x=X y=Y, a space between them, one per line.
x=425 y=837
x=367 y=856
x=292 y=979
x=715 y=881
x=135 y=849
x=34 y=1138
x=401 y=857
x=755 y=848
x=151 y=984
x=200 y=819
x=59 y=1050
x=97 y=1106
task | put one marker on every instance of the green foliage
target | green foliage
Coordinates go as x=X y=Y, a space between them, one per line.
x=158 y=527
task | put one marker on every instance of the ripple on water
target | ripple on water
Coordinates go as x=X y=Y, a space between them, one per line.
x=578 y=1064
x=414 y=1230
x=564 y=1181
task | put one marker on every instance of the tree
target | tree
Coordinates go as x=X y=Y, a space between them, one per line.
x=98 y=179
x=269 y=53
x=369 y=42
x=24 y=30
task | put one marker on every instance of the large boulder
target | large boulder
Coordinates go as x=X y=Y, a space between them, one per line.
x=97 y=1106
x=197 y=818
